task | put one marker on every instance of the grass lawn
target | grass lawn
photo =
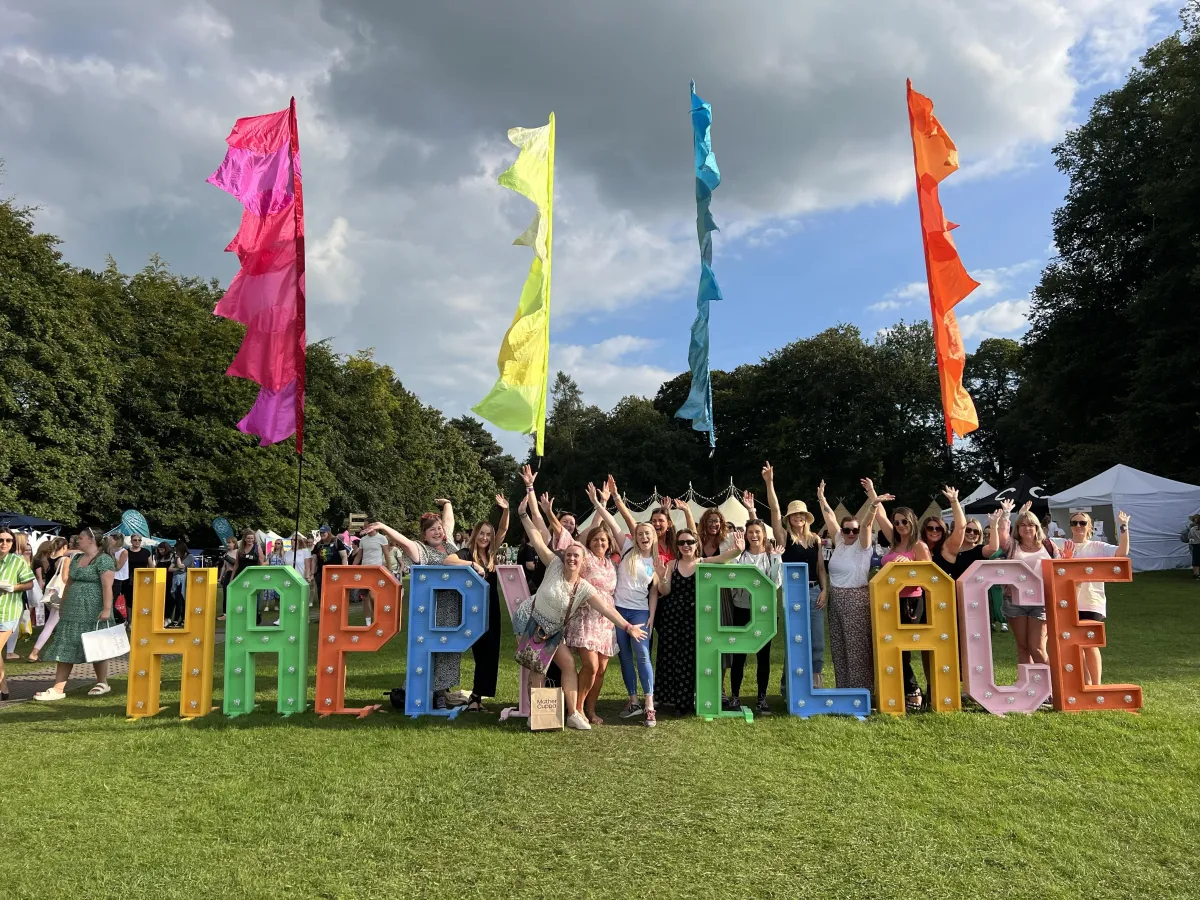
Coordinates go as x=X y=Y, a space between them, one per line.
x=951 y=805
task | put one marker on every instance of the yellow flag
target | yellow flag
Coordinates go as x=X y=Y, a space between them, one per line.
x=517 y=402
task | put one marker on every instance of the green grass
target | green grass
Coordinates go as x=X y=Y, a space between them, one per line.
x=957 y=805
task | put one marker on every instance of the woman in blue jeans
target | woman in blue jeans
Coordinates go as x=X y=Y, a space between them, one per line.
x=636 y=599
x=801 y=545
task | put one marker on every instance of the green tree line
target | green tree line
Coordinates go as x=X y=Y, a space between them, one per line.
x=113 y=395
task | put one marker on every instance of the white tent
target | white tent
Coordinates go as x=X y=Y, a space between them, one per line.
x=1158 y=508
x=983 y=490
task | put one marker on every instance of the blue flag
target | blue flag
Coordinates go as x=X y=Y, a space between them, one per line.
x=698 y=406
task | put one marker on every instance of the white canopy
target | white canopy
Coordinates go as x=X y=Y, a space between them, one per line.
x=1158 y=507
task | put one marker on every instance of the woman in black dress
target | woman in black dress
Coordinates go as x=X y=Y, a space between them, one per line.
x=675 y=669
x=480 y=552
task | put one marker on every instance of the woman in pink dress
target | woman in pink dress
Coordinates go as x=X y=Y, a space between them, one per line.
x=589 y=634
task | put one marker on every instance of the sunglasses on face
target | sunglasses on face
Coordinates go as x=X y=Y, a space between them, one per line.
x=901 y=522
x=850 y=531
x=971 y=531
x=6 y=540
x=1078 y=523
x=934 y=529
x=686 y=543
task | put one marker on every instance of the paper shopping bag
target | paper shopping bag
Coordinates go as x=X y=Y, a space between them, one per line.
x=546 y=709
x=105 y=643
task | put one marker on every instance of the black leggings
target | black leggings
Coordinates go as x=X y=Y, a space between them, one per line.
x=486 y=650
x=912 y=612
x=737 y=661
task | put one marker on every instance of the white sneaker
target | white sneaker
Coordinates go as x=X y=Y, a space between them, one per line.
x=578 y=721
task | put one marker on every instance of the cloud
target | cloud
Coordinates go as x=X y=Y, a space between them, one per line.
x=1004 y=319
x=115 y=113
x=604 y=372
x=885 y=305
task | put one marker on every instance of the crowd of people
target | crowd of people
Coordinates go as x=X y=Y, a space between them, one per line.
x=622 y=588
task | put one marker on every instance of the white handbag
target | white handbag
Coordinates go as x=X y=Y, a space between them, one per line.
x=105 y=643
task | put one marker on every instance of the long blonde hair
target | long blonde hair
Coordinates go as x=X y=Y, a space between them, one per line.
x=630 y=562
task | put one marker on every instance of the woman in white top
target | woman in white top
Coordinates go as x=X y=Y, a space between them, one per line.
x=849 y=601
x=1028 y=623
x=757 y=553
x=562 y=594
x=1093 y=605
x=636 y=598
x=116 y=549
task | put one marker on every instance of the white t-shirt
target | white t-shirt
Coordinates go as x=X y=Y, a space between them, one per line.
x=633 y=592
x=849 y=566
x=1090 y=594
x=302 y=557
x=372 y=546
x=770 y=564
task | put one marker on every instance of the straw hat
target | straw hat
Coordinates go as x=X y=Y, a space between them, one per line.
x=799 y=506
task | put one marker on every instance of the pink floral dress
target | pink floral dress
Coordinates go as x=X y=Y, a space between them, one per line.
x=587 y=629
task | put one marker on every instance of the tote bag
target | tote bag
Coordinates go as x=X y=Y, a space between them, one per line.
x=105 y=643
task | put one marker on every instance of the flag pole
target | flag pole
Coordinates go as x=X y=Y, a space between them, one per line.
x=301 y=329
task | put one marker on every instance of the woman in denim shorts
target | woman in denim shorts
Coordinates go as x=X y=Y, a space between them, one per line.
x=1028 y=623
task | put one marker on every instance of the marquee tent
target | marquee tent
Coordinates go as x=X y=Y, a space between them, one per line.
x=984 y=490
x=1158 y=507
x=28 y=523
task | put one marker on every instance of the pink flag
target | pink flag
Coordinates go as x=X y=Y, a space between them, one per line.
x=262 y=170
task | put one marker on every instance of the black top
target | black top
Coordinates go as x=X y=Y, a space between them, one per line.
x=139 y=559
x=798 y=553
x=961 y=563
x=246 y=559
x=534 y=575
x=329 y=554
x=493 y=583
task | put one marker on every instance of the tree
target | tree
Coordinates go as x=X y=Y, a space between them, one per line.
x=500 y=465
x=992 y=377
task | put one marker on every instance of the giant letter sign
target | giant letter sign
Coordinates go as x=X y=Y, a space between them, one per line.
x=337 y=637
x=150 y=642
x=975 y=636
x=714 y=639
x=245 y=640
x=425 y=638
x=936 y=637
x=515 y=588
x=802 y=698
x=1069 y=635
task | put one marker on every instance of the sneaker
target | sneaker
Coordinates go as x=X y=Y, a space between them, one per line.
x=996 y=626
x=439 y=700
x=1004 y=626
x=651 y=718
x=762 y=707
x=732 y=704
x=578 y=721
x=632 y=708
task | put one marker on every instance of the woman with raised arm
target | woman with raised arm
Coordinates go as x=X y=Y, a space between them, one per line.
x=480 y=553
x=636 y=598
x=1028 y=623
x=944 y=547
x=800 y=545
x=848 y=571
x=561 y=527
x=563 y=593
x=432 y=550
x=1093 y=605
x=904 y=545
x=770 y=563
x=713 y=531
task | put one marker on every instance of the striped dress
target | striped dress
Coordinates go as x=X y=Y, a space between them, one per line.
x=14 y=570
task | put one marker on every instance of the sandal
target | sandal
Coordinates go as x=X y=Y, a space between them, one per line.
x=99 y=689
x=49 y=694
x=475 y=704
x=912 y=702
x=439 y=700
x=33 y=656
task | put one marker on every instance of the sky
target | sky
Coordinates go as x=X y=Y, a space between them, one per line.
x=114 y=114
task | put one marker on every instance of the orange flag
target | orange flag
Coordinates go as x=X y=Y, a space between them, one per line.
x=935 y=157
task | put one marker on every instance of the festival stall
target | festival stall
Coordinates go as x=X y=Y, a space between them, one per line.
x=1159 y=508
x=1020 y=491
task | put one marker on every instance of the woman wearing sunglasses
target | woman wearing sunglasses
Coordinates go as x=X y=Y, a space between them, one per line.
x=1028 y=623
x=849 y=600
x=901 y=533
x=1093 y=605
x=16 y=575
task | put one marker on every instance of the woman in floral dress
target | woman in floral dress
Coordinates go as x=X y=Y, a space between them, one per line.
x=588 y=633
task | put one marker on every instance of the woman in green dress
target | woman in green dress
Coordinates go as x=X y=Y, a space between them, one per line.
x=88 y=601
x=15 y=576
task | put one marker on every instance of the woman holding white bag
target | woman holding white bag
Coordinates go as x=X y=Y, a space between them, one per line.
x=51 y=574
x=87 y=603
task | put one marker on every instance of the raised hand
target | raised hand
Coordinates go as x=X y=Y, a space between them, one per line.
x=739 y=540
x=502 y=501
x=950 y=493
x=611 y=485
x=1026 y=507
x=821 y=491
x=1007 y=506
x=528 y=475
x=660 y=569
x=666 y=503
x=748 y=501
x=869 y=486
x=994 y=515
x=604 y=495
x=680 y=504
x=592 y=495
x=885 y=498
x=440 y=502
x=546 y=502
x=1122 y=518
x=768 y=473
